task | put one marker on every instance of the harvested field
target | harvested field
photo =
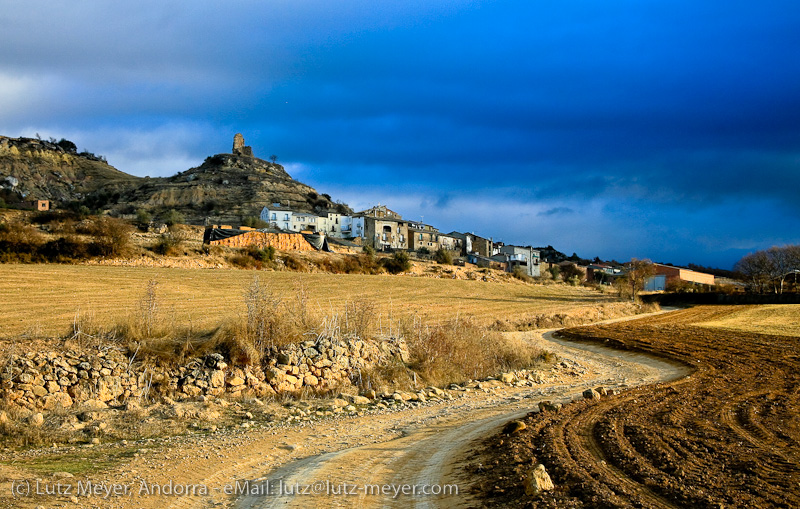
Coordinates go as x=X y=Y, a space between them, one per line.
x=43 y=299
x=726 y=436
x=779 y=319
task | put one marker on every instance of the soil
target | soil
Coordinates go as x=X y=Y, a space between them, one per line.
x=728 y=435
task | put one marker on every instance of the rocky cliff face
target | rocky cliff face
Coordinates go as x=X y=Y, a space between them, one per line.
x=225 y=189
x=43 y=170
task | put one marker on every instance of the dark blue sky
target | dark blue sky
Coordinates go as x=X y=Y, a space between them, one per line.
x=649 y=129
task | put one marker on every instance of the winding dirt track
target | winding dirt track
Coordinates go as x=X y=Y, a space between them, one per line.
x=435 y=453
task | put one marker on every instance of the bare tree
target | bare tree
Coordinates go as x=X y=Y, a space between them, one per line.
x=639 y=271
x=755 y=268
x=770 y=268
x=780 y=267
x=273 y=158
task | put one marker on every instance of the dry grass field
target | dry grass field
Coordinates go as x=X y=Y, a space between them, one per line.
x=41 y=300
x=777 y=319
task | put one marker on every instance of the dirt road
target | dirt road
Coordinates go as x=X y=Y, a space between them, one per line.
x=432 y=446
x=371 y=460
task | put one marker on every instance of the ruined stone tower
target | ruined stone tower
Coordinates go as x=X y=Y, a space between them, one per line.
x=239 y=148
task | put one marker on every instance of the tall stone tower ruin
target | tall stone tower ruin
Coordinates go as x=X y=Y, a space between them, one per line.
x=239 y=147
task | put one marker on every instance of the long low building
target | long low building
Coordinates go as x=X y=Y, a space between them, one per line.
x=664 y=274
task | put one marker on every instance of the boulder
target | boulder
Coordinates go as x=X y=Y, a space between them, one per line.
x=537 y=481
x=57 y=400
x=514 y=427
x=36 y=420
x=549 y=406
x=591 y=394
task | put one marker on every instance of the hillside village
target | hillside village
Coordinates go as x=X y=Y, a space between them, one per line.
x=228 y=188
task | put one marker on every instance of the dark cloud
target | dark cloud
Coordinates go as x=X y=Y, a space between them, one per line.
x=556 y=211
x=669 y=110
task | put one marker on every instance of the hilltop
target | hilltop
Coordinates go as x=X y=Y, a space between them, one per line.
x=225 y=188
x=49 y=170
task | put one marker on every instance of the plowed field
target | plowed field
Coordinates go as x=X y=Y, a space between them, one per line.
x=728 y=435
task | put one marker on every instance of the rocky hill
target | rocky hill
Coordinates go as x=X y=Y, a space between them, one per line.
x=225 y=189
x=48 y=170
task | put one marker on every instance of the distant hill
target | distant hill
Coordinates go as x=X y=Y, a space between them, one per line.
x=46 y=170
x=224 y=189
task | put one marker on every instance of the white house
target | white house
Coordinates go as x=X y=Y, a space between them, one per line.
x=352 y=226
x=278 y=217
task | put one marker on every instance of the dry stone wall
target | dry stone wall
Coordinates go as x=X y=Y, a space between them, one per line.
x=58 y=380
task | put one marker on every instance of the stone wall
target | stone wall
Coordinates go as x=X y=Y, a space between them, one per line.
x=51 y=380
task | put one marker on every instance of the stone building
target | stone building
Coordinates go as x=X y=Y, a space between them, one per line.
x=239 y=147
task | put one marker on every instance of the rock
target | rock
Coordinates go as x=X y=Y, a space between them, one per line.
x=132 y=404
x=537 y=480
x=93 y=404
x=514 y=427
x=235 y=381
x=507 y=378
x=369 y=393
x=591 y=394
x=549 y=406
x=4 y=417
x=36 y=420
x=57 y=400
x=355 y=400
x=217 y=378
x=62 y=475
x=601 y=391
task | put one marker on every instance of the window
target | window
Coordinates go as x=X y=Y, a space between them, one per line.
x=420 y=236
x=286 y=217
x=274 y=216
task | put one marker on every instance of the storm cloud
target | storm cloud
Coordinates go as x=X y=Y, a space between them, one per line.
x=668 y=130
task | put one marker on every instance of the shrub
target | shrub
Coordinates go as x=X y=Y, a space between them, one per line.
x=266 y=254
x=292 y=262
x=243 y=261
x=443 y=256
x=461 y=349
x=423 y=251
x=168 y=244
x=520 y=273
x=399 y=262
x=64 y=249
x=143 y=217
x=173 y=217
x=112 y=236
x=254 y=222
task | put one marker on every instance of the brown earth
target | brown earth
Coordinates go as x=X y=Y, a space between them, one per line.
x=726 y=436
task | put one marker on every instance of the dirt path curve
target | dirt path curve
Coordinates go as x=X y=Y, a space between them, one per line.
x=429 y=453
x=390 y=449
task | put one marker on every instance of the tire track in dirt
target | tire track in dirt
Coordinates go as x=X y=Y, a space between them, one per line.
x=726 y=436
